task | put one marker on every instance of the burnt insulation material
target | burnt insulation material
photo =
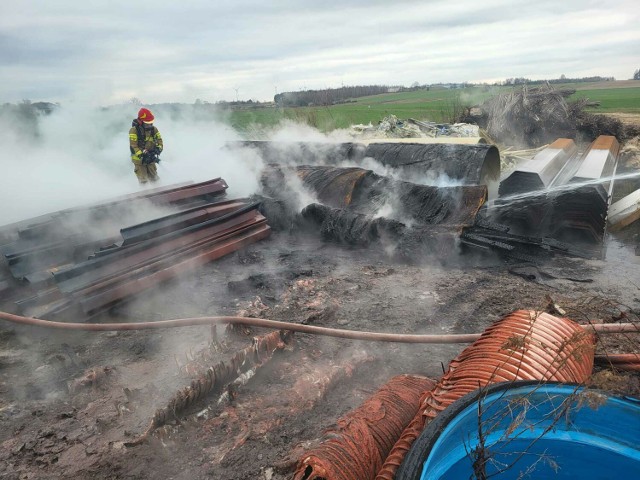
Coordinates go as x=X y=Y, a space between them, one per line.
x=365 y=192
x=279 y=214
x=350 y=228
x=337 y=187
x=406 y=243
x=467 y=164
x=440 y=205
x=303 y=152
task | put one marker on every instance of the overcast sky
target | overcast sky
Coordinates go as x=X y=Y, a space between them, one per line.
x=107 y=51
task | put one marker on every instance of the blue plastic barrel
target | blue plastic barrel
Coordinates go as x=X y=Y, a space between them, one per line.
x=530 y=431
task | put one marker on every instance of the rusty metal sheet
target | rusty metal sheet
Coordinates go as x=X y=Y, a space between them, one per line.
x=178 y=221
x=103 y=279
x=126 y=257
x=122 y=290
x=334 y=186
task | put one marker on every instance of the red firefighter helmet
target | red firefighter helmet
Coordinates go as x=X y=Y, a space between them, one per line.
x=145 y=115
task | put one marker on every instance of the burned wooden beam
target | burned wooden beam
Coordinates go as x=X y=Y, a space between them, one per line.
x=215 y=378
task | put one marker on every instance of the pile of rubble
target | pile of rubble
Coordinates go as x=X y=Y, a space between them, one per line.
x=559 y=200
x=531 y=117
x=393 y=127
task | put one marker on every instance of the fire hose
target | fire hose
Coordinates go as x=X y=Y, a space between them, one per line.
x=293 y=327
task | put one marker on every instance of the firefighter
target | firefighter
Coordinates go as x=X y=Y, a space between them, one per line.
x=145 y=144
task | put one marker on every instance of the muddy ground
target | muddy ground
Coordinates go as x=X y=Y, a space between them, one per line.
x=68 y=402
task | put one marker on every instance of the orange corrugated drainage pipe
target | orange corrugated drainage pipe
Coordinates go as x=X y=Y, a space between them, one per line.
x=356 y=448
x=525 y=345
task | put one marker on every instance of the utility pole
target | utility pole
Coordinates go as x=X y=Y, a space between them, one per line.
x=236 y=89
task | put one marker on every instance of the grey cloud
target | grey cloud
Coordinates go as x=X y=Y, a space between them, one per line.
x=179 y=50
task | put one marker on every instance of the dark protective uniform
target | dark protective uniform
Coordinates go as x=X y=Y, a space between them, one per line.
x=144 y=137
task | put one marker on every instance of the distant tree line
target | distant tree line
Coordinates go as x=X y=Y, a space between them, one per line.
x=636 y=74
x=332 y=96
x=562 y=79
x=23 y=116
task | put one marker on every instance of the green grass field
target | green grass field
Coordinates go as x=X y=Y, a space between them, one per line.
x=619 y=100
x=438 y=105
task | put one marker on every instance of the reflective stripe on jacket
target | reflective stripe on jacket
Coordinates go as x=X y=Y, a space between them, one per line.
x=152 y=139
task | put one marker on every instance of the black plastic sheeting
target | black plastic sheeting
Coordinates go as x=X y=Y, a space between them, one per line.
x=408 y=243
x=351 y=228
x=467 y=164
x=365 y=192
x=461 y=164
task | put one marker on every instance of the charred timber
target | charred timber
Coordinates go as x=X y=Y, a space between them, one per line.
x=215 y=378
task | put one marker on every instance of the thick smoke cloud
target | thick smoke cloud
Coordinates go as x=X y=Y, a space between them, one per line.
x=78 y=155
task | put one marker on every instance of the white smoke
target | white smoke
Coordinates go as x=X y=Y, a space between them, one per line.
x=79 y=155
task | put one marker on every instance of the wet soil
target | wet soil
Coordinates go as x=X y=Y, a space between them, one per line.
x=68 y=402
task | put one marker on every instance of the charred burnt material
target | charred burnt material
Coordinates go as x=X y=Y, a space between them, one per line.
x=486 y=236
x=344 y=226
x=417 y=218
x=461 y=164
x=85 y=278
x=408 y=243
x=363 y=191
x=216 y=377
x=573 y=204
x=464 y=164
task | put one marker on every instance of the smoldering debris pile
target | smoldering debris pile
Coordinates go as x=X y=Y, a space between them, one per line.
x=446 y=163
x=85 y=260
x=354 y=205
x=359 y=207
x=531 y=117
x=352 y=228
x=555 y=203
x=393 y=127
x=558 y=201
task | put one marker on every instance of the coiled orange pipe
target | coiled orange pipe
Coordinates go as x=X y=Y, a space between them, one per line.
x=356 y=448
x=524 y=345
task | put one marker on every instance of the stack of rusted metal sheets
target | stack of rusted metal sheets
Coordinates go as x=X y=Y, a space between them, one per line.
x=80 y=262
